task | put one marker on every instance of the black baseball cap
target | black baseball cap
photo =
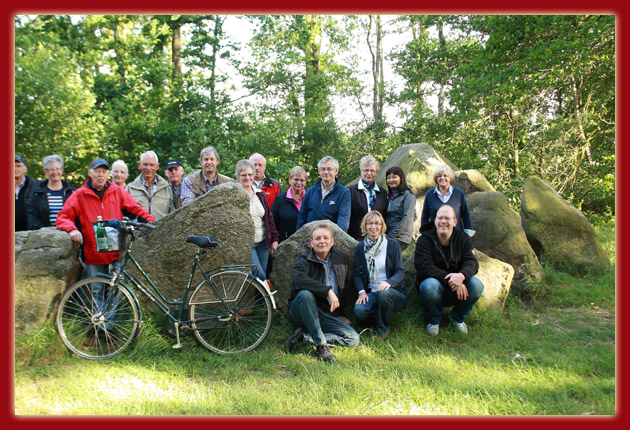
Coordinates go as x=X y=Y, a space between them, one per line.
x=20 y=159
x=173 y=163
x=98 y=163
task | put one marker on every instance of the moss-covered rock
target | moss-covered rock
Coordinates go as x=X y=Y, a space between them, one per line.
x=500 y=235
x=471 y=181
x=45 y=264
x=557 y=230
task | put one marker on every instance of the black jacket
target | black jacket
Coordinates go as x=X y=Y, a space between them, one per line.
x=20 y=203
x=37 y=210
x=395 y=269
x=431 y=262
x=359 y=208
x=309 y=274
x=285 y=215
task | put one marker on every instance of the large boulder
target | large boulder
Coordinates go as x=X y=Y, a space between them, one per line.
x=471 y=181
x=501 y=236
x=281 y=276
x=495 y=275
x=164 y=254
x=45 y=264
x=557 y=230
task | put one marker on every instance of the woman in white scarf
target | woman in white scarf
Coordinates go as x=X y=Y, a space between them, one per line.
x=378 y=275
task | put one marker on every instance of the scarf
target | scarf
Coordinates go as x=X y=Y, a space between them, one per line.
x=370 y=188
x=372 y=249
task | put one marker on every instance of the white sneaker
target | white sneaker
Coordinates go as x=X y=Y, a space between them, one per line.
x=433 y=329
x=461 y=327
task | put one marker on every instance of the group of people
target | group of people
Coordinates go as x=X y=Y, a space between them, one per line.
x=381 y=221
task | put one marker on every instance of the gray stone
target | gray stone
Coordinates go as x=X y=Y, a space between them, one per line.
x=501 y=236
x=496 y=277
x=164 y=254
x=282 y=274
x=471 y=181
x=45 y=264
x=559 y=231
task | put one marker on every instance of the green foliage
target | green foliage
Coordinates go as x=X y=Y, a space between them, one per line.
x=514 y=95
x=528 y=95
x=54 y=113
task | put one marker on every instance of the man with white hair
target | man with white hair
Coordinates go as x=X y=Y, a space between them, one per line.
x=270 y=186
x=151 y=190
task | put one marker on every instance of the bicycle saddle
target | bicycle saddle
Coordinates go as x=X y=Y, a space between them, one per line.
x=203 y=241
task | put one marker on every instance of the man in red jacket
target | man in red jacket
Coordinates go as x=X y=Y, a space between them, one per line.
x=97 y=197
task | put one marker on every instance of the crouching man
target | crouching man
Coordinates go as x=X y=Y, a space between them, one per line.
x=446 y=265
x=319 y=278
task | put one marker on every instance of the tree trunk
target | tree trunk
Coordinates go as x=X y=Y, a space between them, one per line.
x=442 y=39
x=377 y=68
x=177 y=48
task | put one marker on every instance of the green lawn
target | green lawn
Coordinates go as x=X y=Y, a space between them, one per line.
x=552 y=356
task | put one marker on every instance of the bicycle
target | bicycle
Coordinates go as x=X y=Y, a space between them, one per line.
x=230 y=310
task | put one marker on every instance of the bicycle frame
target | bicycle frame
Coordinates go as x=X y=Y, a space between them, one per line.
x=169 y=307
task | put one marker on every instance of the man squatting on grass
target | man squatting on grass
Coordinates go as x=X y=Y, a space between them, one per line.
x=319 y=277
x=445 y=265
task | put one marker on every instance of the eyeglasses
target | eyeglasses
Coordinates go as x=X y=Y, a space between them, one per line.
x=326 y=169
x=369 y=171
x=374 y=224
x=56 y=169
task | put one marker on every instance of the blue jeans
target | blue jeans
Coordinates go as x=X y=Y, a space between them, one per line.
x=100 y=299
x=322 y=328
x=434 y=295
x=380 y=307
x=260 y=258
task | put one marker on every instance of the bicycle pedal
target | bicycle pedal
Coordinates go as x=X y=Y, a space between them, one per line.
x=178 y=346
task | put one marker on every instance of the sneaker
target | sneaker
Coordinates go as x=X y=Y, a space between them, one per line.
x=383 y=336
x=461 y=327
x=433 y=329
x=294 y=339
x=323 y=353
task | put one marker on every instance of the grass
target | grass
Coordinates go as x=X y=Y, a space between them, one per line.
x=551 y=356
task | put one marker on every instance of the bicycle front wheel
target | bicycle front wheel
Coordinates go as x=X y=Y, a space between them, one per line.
x=232 y=313
x=97 y=320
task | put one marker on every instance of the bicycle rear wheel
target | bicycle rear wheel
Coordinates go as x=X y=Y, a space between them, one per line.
x=232 y=313
x=97 y=320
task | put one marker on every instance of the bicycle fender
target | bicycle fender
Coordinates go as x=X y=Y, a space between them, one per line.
x=269 y=292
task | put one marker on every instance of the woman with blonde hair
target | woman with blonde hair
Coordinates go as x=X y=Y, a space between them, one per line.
x=378 y=275
x=286 y=206
x=265 y=233
x=445 y=193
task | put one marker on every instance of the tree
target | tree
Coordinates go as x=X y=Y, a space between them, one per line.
x=54 y=113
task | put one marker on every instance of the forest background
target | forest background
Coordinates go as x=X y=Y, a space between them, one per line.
x=509 y=95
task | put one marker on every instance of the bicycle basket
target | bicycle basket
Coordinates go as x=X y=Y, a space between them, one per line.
x=116 y=236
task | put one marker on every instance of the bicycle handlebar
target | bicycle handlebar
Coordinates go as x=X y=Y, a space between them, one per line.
x=139 y=224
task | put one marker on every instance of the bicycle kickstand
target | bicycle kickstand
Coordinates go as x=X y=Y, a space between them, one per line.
x=178 y=345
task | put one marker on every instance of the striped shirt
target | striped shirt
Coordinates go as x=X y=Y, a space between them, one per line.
x=55 y=204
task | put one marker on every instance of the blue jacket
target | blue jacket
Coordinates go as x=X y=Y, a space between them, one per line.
x=334 y=207
x=457 y=201
x=393 y=266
